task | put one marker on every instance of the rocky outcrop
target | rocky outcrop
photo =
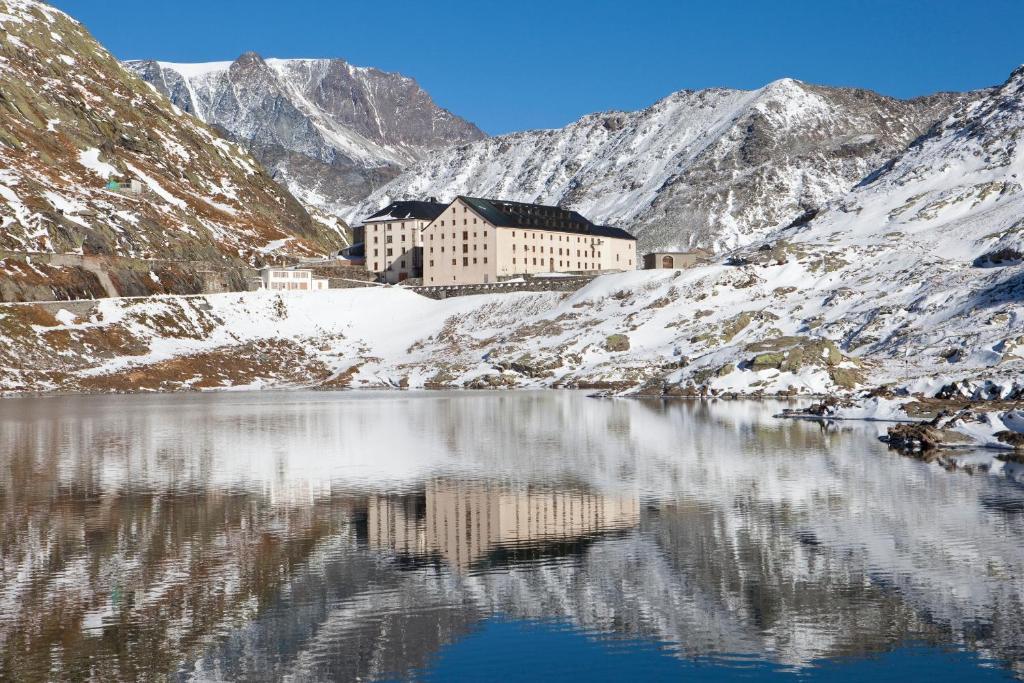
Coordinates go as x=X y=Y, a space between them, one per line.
x=329 y=131
x=72 y=120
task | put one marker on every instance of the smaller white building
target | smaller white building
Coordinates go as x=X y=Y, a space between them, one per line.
x=290 y=279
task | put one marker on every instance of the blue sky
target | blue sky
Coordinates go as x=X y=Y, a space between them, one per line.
x=523 y=64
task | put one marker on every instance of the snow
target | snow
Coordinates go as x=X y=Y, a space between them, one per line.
x=197 y=70
x=65 y=317
x=274 y=245
x=153 y=185
x=90 y=158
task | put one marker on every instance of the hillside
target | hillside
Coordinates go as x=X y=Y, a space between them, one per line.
x=73 y=119
x=329 y=131
x=915 y=278
x=709 y=168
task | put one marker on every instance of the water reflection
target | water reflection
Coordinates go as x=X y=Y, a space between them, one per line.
x=326 y=536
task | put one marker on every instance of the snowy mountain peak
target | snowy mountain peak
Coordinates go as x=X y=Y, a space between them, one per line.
x=329 y=131
x=715 y=168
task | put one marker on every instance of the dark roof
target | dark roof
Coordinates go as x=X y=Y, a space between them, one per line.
x=409 y=210
x=357 y=250
x=609 y=231
x=506 y=214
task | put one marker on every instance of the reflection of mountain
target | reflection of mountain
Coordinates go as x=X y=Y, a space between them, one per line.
x=257 y=537
x=464 y=522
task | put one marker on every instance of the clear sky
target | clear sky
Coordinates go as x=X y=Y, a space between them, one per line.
x=520 y=64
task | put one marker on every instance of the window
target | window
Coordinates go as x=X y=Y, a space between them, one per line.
x=535 y=260
x=388 y=239
x=474 y=260
x=390 y=252
x=375 y=239
x=465 y=248
x=442 y=224
x=513 y=260
x=454 y=262
x=431 y=265
x=431 y=250
x=465 y=261
x=375 y=252
x=403 y=236
x=485 y=260
x=485 y=246
x=403 y=263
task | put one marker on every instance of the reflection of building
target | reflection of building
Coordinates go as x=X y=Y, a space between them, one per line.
x=465 y=522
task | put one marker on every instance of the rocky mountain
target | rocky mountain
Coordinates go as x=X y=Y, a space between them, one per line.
x=711 y=168
x=74 y=120
x=329 y=131
x=912 y=280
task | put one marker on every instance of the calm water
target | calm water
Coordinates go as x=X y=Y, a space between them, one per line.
x=511 y=536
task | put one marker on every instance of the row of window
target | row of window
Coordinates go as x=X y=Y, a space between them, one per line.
x=465 y=248
x=465 y=261
x=465 y=235
x=533 y=248
x=465 y=221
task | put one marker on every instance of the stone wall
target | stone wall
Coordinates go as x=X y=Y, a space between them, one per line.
x=529 y=284
x=28 y=276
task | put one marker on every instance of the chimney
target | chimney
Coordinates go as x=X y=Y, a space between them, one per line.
x=433 y=200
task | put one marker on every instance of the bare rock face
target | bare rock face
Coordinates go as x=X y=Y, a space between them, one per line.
x=329 y=131
x=73 y=120
x=710 y=168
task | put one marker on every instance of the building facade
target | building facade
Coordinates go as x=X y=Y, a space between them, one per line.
x=288 y=279
x=676 y=259
x=393 y=239
x=474 y=241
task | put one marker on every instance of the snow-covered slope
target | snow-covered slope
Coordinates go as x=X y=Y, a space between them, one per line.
x=329 y=131
x=914 y=277
x=714 y=168
x=72 y=119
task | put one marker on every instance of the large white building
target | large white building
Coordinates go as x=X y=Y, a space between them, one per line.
x=393 y=239
x=475 y=241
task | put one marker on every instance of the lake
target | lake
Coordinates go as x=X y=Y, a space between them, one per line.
x=493 y=536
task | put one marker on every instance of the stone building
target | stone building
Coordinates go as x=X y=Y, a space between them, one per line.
x=676 y=259
x=477 y=241
x=393 y=239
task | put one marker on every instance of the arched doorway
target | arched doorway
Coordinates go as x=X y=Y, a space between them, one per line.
x=666 y=262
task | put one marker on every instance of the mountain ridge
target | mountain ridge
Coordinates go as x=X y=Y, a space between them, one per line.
x=328 y=130
x=713 y=173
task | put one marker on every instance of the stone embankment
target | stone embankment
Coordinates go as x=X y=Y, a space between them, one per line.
x=26 y=276
x=526 y=284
